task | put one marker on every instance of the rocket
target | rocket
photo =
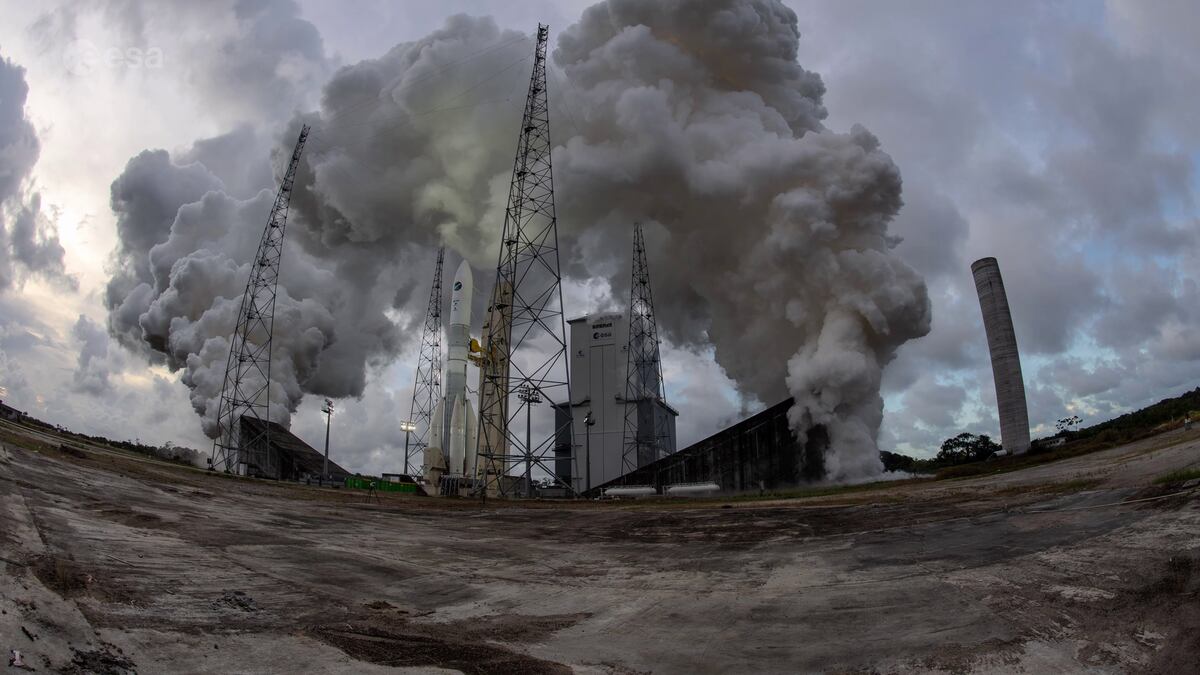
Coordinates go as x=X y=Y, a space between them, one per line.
x=458 y=439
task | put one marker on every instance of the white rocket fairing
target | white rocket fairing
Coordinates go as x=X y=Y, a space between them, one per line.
x=458 y=439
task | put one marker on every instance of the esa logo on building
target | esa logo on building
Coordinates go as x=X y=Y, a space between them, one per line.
x=458 y=285
x=601 y=334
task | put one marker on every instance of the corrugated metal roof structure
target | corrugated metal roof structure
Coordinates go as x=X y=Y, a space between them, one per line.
x=294 y=458
x=760 y=452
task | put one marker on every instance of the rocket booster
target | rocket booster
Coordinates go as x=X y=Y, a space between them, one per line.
x=458 y=440
x=458 y=333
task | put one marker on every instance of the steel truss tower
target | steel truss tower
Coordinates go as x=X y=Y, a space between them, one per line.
x=524 y=401
x=247 y=386
x=428 y=388
x=645 y=439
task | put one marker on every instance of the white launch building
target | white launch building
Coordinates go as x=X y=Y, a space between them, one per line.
x=454 y=423
x=599 y=367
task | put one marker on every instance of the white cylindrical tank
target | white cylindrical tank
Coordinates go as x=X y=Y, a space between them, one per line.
x=630 y=491
x=690 y=489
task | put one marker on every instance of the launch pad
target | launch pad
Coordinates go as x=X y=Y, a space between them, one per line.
x=1076 y=565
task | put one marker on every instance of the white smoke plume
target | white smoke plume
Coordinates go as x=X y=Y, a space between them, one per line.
x=774 y=231
x=768 y=232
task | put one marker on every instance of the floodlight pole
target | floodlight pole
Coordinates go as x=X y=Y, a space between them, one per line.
x=407 y=426
x=328 y=410
x=530 y=396
x=588 y=423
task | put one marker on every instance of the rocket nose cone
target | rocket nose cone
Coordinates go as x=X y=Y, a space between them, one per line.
x=461 y=296
x=463 y=276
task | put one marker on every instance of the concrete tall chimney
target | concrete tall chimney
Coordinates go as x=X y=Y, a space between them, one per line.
x=1006 y=361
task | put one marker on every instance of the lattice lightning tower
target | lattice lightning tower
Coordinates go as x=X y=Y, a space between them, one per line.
x=428 y=389
x=644 y=440
x=525 y=359
x=247 y=386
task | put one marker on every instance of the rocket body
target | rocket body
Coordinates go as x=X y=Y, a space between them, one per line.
x=453 y=424
x=458 y=334
x=457 y=405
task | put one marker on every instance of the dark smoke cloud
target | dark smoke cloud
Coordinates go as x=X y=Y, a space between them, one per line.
x=769 y=233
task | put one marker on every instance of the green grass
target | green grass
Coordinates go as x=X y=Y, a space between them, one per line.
x=1036 y=457
x=1179 y=476
x=1053 y=488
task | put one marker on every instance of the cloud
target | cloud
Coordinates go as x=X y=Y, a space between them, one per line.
x=1056 y=140
x=29 y=243
x=693 y=119
x=242 y=59
x=93 y=370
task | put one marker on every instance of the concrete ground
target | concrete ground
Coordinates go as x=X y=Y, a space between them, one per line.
x=110 y=563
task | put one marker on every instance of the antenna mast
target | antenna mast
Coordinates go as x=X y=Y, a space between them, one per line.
x=524 y=363
x=247 y=386
x=645 y=439
x=428 y=388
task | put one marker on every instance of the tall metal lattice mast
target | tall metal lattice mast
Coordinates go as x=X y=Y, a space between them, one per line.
x=525 y=359
x=247 y=386
x=645 y=438
x=428 y=389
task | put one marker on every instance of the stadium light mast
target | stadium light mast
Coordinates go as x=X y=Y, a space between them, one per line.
x=328 y=410
x=408 y=426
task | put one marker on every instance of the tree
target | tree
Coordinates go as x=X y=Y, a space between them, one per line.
x=893 y=461
x=965 y=448
x=1068 y=423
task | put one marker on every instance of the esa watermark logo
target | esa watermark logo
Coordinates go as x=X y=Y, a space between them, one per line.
x=84 y=57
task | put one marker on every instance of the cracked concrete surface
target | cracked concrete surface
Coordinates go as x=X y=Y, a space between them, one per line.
x=119 y=563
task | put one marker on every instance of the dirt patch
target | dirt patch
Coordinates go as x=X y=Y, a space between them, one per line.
x=739 y=527
x=512 y=628
x=469 y=645
x=69 y=580
x=235 y=600
x=1181 y=577
x=61 y=575
x=72 y=451
x=389 y=609
x=1161 y=615
x=1163 y=497
x=413 y=648
x=127 y=516
x=959 y=658
x=105 y=660
x=1053 y=488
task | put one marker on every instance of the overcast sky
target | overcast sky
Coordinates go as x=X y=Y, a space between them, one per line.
x=1060 y=138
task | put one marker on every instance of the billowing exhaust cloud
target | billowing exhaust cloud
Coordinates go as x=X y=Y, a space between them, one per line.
x=175 y=295
x=773 y=239
x=769 y=233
